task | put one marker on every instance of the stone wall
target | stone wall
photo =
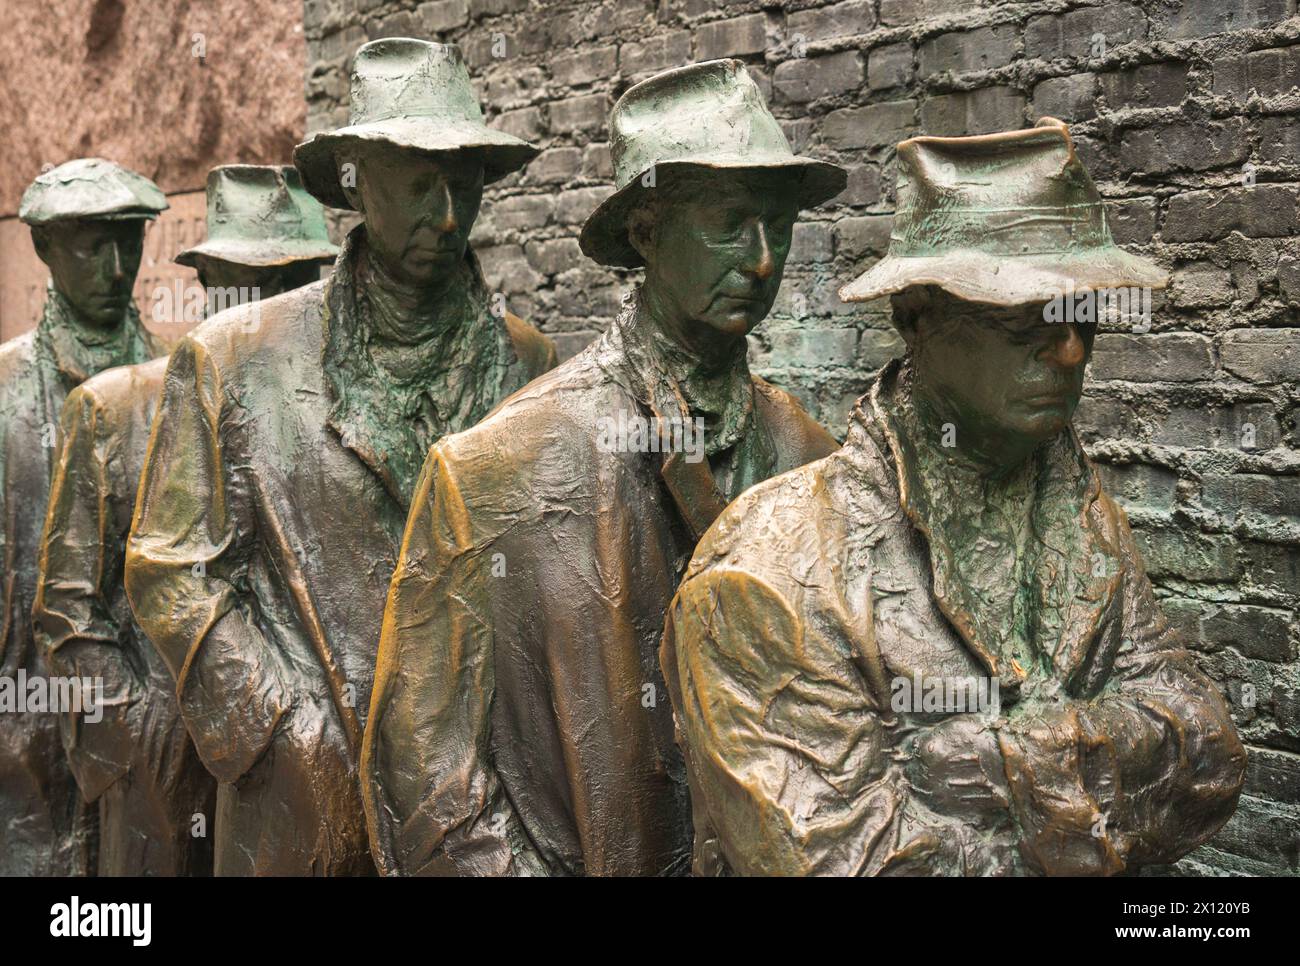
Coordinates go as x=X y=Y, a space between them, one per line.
x=1184 y=113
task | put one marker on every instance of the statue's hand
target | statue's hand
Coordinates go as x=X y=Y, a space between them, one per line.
x=956 y=770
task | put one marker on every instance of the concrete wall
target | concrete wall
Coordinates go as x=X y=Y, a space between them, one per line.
x=1186 y=116
x=169 y=89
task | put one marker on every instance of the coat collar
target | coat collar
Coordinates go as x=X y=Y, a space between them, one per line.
x=77 y=354
x=390 y=424
x=629 y=354
x=1070 y=555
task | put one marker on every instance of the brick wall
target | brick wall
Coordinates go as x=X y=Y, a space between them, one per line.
x=1186 y=117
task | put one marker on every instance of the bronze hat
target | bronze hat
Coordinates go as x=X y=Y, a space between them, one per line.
x=412 y=94
x=1009 y=219
x=707 y=115
x=259 y=215
x=90 y=188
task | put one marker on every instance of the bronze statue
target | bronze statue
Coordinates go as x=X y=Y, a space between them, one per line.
x=937 y=651
x=286 y=449
x=133 y=756
x=87 y=219
x=519 y=723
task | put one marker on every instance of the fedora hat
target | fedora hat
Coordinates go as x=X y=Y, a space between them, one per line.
x=260 y=215
x=90 y=188
x=1008 y=219
x=708 y=115
x=412 y=94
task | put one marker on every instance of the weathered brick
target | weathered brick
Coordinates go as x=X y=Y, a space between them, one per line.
x=805 y=348
x=811 y=242
x=400 y=24
x=1288 y=277
x=1195 y=18
x=494 y=8
x=1263 y=831
x=1262 y=211
x=556 y=255
x=443 y=15
x=1264 y=356
x=1076 y=33
x=1201 y=285
x=808 y=78
x=1139 y=485
x=1071 y=98
x=1273 y=774
x=573 y=206
x=521 y=212
x=895 y=13
x=731 y=38
x=525 y=123
x=1234 y=493
x=875 y=126
x=552 y=165
x=983 y=111
x=1172 y=145
x=672 y=49
x=1243 y=426
x=863 y=186
x=1132 y=220
x=969 y=50
x=584 y=66
x=889 y=66
x=838 y=20
x=586 y=113
x=1148 y=85
x=868 y=234
x=1279 y=140
x=1153 y=357
x=1192 y=556
x=1266 y=72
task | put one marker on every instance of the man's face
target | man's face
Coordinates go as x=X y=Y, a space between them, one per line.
x=93 y=263
x=419 y=209
x=1003 y=372
x=238 y=282
x=717 y=248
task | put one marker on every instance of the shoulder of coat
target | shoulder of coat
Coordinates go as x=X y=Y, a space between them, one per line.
x=534 y=348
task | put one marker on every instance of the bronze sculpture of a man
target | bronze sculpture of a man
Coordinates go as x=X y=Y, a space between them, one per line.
x=87 y=219
x=133 y=756
x=519 y=723
x=822 y=648
x=285 y=452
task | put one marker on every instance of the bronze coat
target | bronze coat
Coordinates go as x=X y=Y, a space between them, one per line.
x=46 y=828
x=258 y=564
x=509 y=729
x=137 y=762
x=815 y=592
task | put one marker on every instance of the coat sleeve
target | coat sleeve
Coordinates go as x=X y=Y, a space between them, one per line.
x=75 y=626
x=791 y=759
x=186 y=575
x=434 y=804
x=1145 y=771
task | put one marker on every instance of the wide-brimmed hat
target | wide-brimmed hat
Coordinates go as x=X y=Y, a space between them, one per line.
x=412 y=94
x=708 y=115
x=1008 y=219
x=259 y=215
x=90 y=188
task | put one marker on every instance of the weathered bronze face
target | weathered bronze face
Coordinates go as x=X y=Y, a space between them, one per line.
x=419 y=208
x=715 y=245
x=93 y=263
x=1003 y=376
x=269 y=280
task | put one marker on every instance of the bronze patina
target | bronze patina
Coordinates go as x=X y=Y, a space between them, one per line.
x=285 y=452
x=937 y=651
x=519 y=723
x=132 y=755
x=87 y=219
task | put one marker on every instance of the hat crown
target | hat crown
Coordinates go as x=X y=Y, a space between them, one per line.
x=262 y=203
x=709 y=112
x=1024 y=193
x=90 y=188
x=402 y=77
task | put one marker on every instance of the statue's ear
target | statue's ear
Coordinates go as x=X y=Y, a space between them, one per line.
x=640 y=229
x=349 y=176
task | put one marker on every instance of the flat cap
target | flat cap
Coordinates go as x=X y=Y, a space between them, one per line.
x=90 y=188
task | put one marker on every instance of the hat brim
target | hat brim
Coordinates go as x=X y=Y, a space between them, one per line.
x=315 y=158
x=1002 y=280
x=266 y=254
x=604 y=235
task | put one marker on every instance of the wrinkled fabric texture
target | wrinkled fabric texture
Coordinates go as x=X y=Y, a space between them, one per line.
x=816 y=593
x=137 y=761
x=265 y=534
x=519 y=723
x=46 y=828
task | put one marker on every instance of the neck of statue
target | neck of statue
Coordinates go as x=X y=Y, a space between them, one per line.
x=402 y=313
